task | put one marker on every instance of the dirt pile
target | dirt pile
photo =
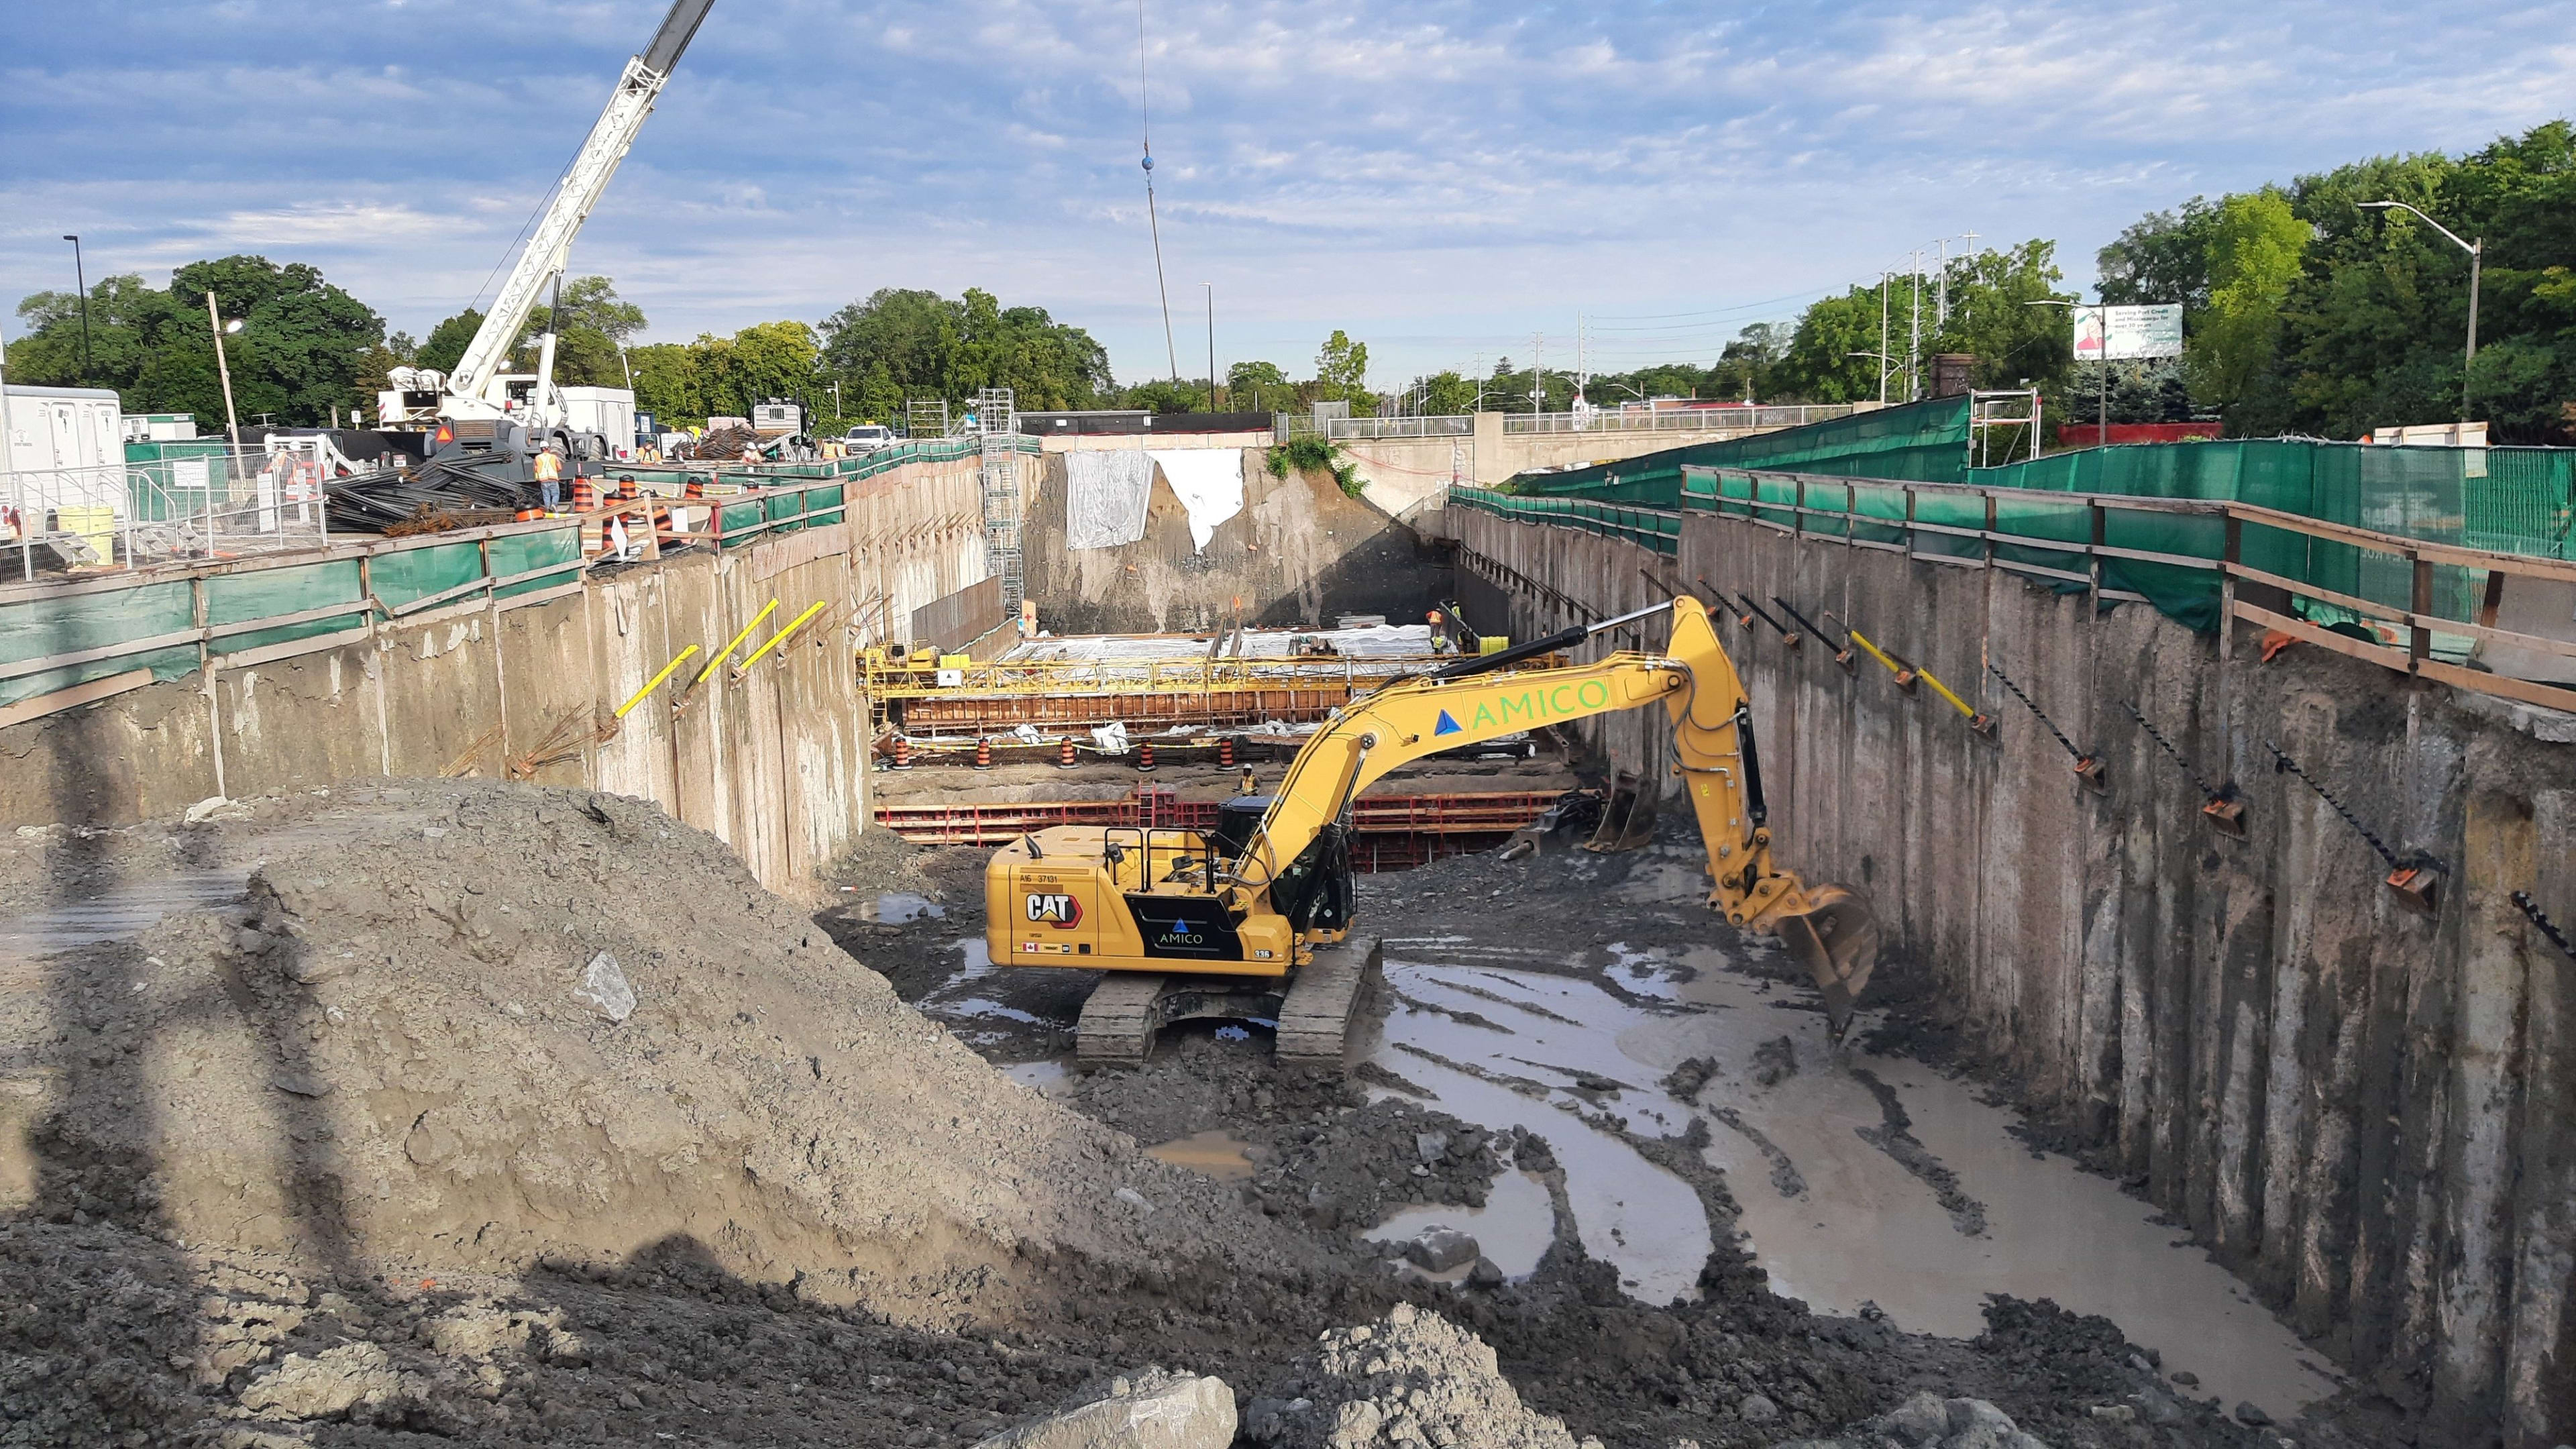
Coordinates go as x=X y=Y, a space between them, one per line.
x=493 y=1026
x=1410 y=1378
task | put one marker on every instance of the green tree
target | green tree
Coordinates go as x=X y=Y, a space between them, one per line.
x=667 y=385
x=1261 y=387
x=1341 y=374
x=2161 y=258
x=1446 y=394
x=2254 y=245
x=902 y=343
x=596 y=324
x=445 y=345
x=306 y=347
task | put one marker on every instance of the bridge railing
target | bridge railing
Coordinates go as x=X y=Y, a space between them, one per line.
x=1675 y=420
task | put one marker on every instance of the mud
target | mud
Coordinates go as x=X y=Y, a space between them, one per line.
x=316 y=1182
x=1567 y=1038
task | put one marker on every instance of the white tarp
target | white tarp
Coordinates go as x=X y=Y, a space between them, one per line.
x=1209 y=483
x=1104 y=497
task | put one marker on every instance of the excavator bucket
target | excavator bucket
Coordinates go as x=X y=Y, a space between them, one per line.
x=1837 y=938
x=1628 y=821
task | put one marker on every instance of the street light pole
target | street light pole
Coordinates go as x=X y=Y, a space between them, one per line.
x=2477 y=254
x=1211 y=314
x=80 y=274
x=232 y=420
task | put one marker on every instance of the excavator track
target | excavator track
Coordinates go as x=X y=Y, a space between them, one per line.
x=1315 y=1021
x=1314 y=1009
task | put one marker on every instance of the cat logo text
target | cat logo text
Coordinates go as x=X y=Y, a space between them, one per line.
x=1061 y=912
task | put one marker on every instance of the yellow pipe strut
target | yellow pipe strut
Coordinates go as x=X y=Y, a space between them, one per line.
x=1943 y=690
x=667 y=671
x=1926 y=675
x=781 y=636
x=1874 y=652
x=718 y=662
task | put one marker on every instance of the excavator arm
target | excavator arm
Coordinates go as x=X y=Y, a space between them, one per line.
x=1826 y=927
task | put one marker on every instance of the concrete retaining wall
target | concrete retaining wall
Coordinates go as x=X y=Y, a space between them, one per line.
x=2361 y=1110
x=1299 y=552
x=774 y=763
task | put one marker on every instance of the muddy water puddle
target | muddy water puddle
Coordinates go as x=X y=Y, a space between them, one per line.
x=1217 y=1154
x=1513 y=1228
x=1863 y=1180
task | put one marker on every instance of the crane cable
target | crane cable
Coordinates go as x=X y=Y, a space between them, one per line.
x=1145 y=124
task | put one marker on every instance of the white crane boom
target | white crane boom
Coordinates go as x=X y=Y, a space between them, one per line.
x=470 y=390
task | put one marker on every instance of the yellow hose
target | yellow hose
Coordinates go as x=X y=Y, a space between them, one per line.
x=666 y=673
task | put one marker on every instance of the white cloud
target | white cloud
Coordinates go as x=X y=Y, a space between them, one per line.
x=1443 y=174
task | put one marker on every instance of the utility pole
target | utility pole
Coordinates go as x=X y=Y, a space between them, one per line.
x=1914 y=345
x=2477 y=251
x=232 y=420
x=1941 y=290
x=80 y=274
x=1538 y=371
x=1211 y=305
x=1882 y=339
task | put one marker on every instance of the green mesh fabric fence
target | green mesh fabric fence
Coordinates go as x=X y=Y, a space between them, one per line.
x=1925 y=442
x=2510 y=500
x=43 y=628
x=1657 y=529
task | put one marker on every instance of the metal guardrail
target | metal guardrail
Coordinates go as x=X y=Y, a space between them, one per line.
x=1676 y=420
x=1598 y=420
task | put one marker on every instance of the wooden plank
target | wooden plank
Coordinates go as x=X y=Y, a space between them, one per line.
x=92 y=656
x=2476 y=558
x=2546 y=645
x=289 y=621
x=2145 y=555
x=2069 y=575
x=289 y=649
x=2328 y=596
x=73 y=697
x=2526 y=690
x=2379 y=654
x=428 y=601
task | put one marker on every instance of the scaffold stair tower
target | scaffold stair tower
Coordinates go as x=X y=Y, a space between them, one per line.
x=997 y=415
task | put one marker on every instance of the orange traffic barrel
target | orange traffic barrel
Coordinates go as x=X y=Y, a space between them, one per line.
x=983 y=752
x=1225 y=752
x=902 y=753
x=1064 y=759
x=1144 y=758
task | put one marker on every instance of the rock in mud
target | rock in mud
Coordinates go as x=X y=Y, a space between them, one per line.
x=1439 y=1249
x=606 y=988
x=324 y=1386
x=1153 y=1410
x=1410 y=1378
x=1928 y=1422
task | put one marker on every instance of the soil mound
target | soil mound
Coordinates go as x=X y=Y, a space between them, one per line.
x=1413 y=1377
x=492 y=1024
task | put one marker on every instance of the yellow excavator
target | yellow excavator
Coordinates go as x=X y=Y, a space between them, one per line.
x=1252 y=920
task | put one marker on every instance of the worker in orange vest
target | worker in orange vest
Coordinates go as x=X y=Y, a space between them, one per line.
x=549 y=468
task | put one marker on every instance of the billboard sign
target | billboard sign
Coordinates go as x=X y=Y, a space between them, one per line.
x=2121 y=334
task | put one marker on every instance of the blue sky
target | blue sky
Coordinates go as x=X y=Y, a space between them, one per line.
x=1443 y=180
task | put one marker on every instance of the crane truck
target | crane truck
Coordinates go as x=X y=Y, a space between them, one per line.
x=1253 y=918
x=480 y=413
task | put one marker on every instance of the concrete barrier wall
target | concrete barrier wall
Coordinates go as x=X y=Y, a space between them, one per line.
x=1300 y=551
x=2359 y=1109
x=775 y=763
